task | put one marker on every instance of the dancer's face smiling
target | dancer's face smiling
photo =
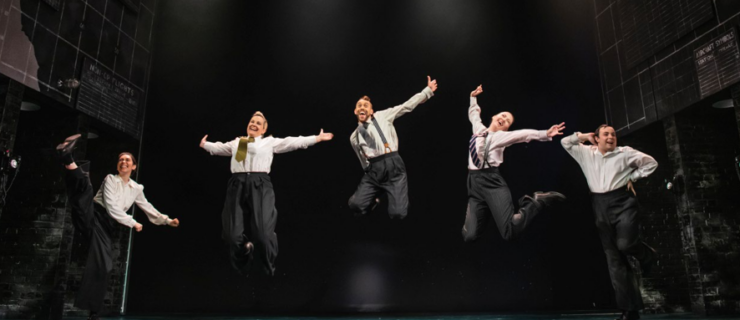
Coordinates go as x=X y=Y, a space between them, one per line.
x=607 y=139
x=501 y=121
x=256 y=127
x=363 y=110
x=125 y=165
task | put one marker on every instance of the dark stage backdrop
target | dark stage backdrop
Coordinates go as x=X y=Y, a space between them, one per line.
x=305 y=64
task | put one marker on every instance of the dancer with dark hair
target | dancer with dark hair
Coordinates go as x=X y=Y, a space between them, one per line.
x=97 y=216
x=376 y=144
x=610 y=172
x=249 y=215
x=488 y=193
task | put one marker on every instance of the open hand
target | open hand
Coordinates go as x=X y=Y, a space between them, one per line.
x=477 y=91
x=203 y=141
x=556 y=130
x=432 y=84
x=174 y=223
x=324 y=136
x=138 y=227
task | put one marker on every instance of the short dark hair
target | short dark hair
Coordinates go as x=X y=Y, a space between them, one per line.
x=366 y=98
x=133 y=159
x=598 y=130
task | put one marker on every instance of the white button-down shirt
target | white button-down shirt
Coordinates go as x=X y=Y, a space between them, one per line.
x=497 y=141
x=259 y=153
x=117 y=197
x=610 y=171
x=385 y=120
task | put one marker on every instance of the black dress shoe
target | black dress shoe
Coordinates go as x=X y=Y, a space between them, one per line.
x=93 y=316
x=548 y=198
x=64 y=149
x=646 y=265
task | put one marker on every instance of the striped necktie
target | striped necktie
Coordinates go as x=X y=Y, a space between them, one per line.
x=473 y=148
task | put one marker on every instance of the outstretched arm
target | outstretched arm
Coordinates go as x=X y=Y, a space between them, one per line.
x=216 y=148
x=288 y=144
x=153 y=214
x=408 y=106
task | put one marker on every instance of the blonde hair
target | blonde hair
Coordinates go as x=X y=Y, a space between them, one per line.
x=259 y=114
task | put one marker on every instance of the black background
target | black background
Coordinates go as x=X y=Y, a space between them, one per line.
x=305 y=64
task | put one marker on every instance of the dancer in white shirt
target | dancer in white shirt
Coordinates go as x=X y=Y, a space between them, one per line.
x=488 y=194
x=376 y=144
x=96 y=217
x=610 y=171
x=249 y=215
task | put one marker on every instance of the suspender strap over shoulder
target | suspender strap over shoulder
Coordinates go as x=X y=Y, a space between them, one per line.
x=382 y=136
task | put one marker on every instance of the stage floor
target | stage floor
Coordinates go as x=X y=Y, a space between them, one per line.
x=599 y=316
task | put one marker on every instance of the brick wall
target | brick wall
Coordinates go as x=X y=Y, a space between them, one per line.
x=706 y=141
x=33 y=219
x=666 y=290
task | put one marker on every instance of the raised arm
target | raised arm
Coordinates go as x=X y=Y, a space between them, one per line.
x=111 y=204
x=474 y=111
x=643 y=164
x=287 y=144
x=154 y=216
x=573 y=144
x=408 y=106
x=217 y=148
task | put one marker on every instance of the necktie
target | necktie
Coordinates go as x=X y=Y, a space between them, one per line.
x=362 y=127
x=473 y=148
x=241 y=151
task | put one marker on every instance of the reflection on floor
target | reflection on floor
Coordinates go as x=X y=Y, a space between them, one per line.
x=590 y=316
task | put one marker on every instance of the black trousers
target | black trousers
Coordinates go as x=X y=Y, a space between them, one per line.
x=488 y=195
x=249 y=215
x=386 y=173
x=619 y=230
x=97 y=227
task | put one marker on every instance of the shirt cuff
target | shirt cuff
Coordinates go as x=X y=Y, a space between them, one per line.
x=132 y=223
x=635 y=175
x=428 y=92
x=542 y=136
x=473 y=101
x=574 y=138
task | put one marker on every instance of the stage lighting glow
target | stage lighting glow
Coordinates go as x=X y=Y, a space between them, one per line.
x=368 y=289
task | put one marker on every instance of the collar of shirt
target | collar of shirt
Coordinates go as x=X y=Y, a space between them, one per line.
x=131 y=183
x=618 y=150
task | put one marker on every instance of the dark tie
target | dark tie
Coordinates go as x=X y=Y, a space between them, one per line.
x=241 y=151
x=362 y=127
x=473 y=148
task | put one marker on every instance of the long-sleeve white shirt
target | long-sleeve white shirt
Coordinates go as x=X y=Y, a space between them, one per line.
x=117 y=197
x=610 y=171
x=259 y=153
x=385 y=120
x=497 y=141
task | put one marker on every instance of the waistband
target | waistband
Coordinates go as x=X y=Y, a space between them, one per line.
x=384 y=156
x=485 y=170
x=621 y=191
x=258 y=174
